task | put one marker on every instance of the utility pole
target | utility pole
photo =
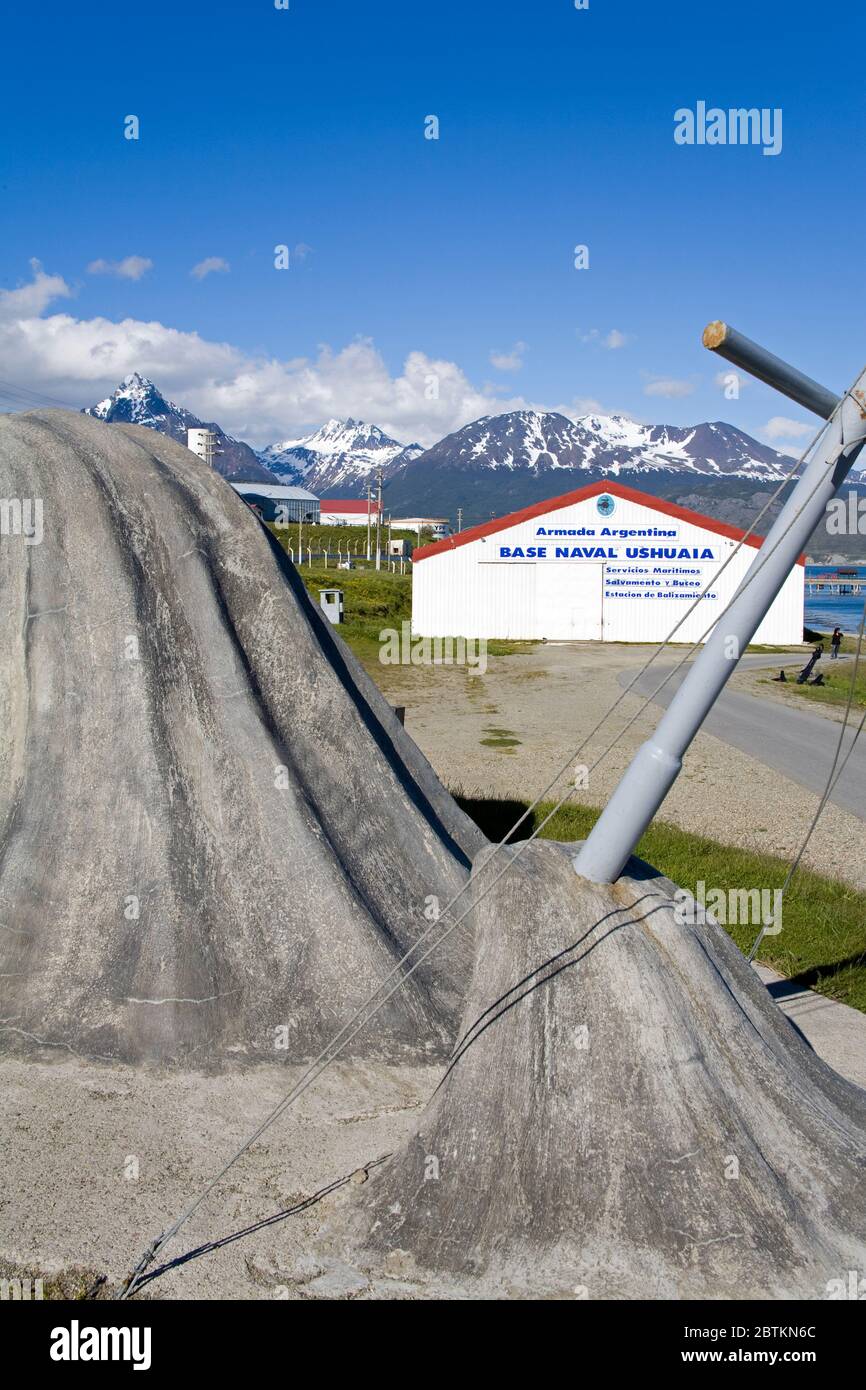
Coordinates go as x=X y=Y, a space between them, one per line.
x=654 y=768
x=369 y=501
x=459 y=520
x=379 y=525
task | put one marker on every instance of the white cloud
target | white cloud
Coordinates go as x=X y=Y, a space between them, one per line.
x=668 y=387
x=510 y=361
x=30 y=300
x=780 y=427
x=611 y=340
x=260 y=399
x=429 y=397
x=782 y=432
x=257 y=398
x=209 y=265
x=583 y=405
x=580 y=406
x=130 y=268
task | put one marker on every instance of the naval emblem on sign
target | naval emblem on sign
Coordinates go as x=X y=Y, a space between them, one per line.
x=605 y=505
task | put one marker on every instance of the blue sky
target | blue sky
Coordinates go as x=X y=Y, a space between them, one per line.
x=305 y=127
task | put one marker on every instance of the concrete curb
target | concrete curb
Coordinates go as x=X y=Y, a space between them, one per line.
x=835 y=1031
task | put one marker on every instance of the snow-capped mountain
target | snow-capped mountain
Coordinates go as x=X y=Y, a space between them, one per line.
x=492 y=465
x=339 y=457
x=502 y=462
x=607 y=444
x=138 y=402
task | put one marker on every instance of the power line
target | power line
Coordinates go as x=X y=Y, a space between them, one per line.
x=24 y=395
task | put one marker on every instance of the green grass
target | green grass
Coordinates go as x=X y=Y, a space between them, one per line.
x=504 y=646
x=761 y=647
x=837 y=679
x=355 y=537
x=836 y=687
x=372 y=600
x=822 y=945
x=500 y=738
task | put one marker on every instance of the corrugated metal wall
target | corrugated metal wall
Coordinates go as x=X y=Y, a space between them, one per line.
x=475 y=591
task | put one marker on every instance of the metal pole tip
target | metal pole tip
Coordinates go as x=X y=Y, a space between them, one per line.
x=714 y=334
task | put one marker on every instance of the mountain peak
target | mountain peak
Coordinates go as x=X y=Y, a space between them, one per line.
x=134 y=380
x=340 y=454
x=137 y=401
x=341 y=431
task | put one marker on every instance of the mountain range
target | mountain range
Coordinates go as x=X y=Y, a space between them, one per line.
x=493 y=465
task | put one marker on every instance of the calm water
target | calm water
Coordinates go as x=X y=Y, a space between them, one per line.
x=826 y=611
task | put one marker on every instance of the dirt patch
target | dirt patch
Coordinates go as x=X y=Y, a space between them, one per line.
x=553 y=696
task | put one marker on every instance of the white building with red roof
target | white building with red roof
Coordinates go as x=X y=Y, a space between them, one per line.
x=604 y=563
x=347 y=511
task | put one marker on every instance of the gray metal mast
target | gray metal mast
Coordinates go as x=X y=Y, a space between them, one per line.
x=654 y=768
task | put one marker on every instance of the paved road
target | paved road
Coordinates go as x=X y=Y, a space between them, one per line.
x=795 y=742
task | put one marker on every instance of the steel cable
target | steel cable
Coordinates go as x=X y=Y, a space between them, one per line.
x=362 y=1017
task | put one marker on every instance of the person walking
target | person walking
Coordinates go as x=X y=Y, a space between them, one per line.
x=836 y=641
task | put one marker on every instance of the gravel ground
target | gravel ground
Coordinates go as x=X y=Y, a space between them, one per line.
x=98 y=1159
x=549 y=697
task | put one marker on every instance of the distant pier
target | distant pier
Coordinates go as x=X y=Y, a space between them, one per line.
x=836 y=582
